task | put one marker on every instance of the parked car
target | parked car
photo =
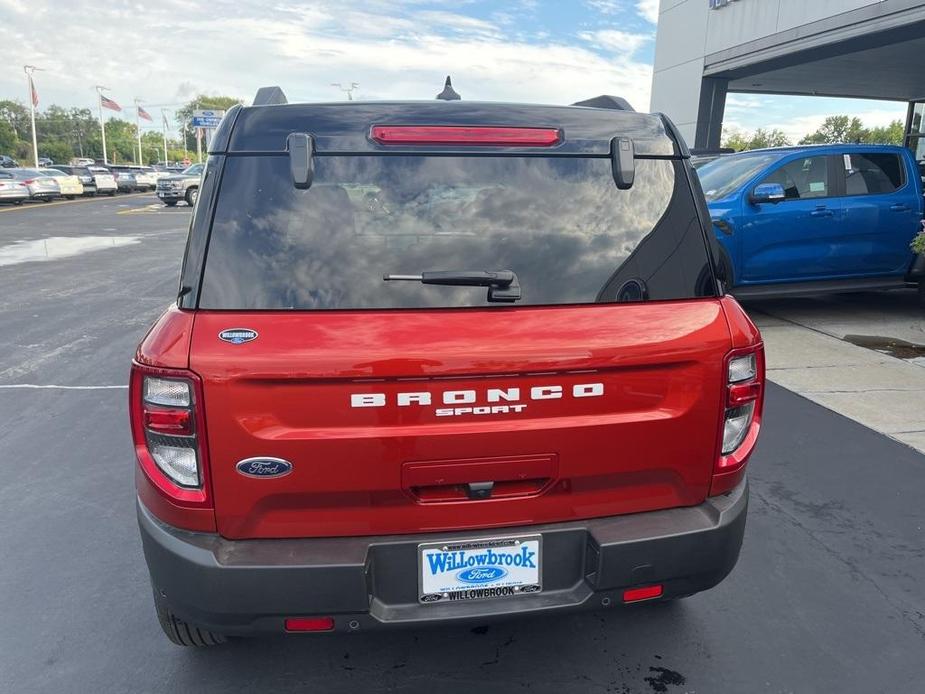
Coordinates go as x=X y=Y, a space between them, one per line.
x=41 y=186
x=829 y=218
x=12 y=189
x=45 y=161
x=144 y=177
x=104 y=180
x=182 y=186
x=8 y=162
x=82 y=161
x=493 y=375
x=83 y=174
x=125 y=180
x=70 y=184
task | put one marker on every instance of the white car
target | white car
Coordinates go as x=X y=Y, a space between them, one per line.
x=145 y=177
x=71 y=187
x=105 y=181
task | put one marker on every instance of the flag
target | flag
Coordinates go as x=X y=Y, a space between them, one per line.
x=34 y=94
x=144 y=114
x=109 y=103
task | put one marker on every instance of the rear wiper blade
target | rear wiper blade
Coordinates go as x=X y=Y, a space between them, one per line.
x=503 y=285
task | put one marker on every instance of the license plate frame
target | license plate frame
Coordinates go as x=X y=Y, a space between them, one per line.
x=517 y=579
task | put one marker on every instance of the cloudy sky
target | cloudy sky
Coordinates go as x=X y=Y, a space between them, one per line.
x=165 y=51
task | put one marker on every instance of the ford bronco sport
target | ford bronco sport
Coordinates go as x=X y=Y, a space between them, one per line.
x=440 y=361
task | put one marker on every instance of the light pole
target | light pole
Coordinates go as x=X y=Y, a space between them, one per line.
x=33 y=102
x=348 y=90
x=164 y=123
x=99 y=102
x=138 y=130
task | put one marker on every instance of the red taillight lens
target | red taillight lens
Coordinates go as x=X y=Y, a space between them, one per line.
x=644 y=593
x=744 y=396
x=310 y=624
x=29 y=181
x=169 y=433
x=165 y=420
x=464 y=135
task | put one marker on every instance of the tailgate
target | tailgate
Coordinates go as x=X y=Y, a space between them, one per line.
x=432 y=420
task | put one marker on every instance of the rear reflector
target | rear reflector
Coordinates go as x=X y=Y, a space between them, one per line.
x=310 y=624
x=645 y=593
x=464 y=135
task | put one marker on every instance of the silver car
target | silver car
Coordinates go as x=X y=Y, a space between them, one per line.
x=41 y=186
x=11 y=189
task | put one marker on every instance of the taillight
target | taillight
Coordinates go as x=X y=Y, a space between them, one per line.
x=742 y=404
x=29 y=181
x=489 y=136
x=169 y=433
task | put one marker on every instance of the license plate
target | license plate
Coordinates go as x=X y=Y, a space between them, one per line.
x=499 y=567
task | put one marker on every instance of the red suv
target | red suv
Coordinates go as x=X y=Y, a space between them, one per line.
x=440 y=361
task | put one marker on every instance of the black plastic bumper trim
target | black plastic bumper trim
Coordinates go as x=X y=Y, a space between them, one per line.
x=248 y=586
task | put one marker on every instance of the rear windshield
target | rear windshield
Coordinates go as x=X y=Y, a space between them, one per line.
x=560 y=224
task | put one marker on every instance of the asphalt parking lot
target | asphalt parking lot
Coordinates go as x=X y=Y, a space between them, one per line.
x=827 y=597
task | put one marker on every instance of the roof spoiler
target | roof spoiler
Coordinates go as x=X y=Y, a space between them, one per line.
x=270 y=96
x=616 y=103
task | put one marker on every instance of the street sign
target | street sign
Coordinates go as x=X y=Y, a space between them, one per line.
x=207 y=118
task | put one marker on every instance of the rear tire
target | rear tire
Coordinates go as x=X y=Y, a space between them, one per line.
x=170 y=203
x=69 y=197
x=182 y=633
x=111 y=193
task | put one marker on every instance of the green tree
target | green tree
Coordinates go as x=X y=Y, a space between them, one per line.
x=760 y=139
x=892 y=134
x=8 y=138
x=836 y=129
x=17 y=116
x=59 y=152
x=184 y=115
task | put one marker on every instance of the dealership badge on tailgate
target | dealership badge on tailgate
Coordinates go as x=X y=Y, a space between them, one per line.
x=264 y=467
x=237 y=336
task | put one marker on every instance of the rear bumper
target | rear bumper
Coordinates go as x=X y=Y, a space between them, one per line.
x=251 y=586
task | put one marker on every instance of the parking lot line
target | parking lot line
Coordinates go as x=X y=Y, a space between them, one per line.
x=34 y=386
x=45 y=206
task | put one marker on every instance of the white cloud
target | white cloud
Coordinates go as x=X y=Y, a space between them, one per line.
x=605 y=6
x=393 y=48
x=648 y=10
x=616 y=41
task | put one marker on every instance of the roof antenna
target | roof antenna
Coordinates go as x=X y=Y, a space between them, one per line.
x=448 y=93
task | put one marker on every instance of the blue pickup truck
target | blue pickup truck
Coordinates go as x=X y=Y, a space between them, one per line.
x=800 y=220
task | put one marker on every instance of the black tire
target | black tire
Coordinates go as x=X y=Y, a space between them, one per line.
x=191 y=195
x=181 y=633
x=111 y=193
x=46 y=199
x=69 y=197
x=170 y=203
x=17 y=202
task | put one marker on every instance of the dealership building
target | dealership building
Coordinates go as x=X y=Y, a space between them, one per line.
x=706 y=49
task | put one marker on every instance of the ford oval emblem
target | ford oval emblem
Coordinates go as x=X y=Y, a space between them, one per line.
x=481 y=574
x=264 y=467
x=237 y=336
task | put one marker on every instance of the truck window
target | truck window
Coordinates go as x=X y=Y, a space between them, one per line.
x=803 y=178
x=560 y=224
x=872 y=174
